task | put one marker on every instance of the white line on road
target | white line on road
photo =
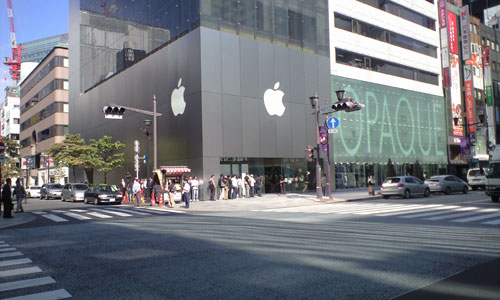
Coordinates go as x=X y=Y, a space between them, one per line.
x=494 y=222
x=410 y=210
x=426 y=214
x=22 y=271
x=131 y=211
x=7 y=249
x=10 y=254
x=54 y=218
x=14 y=262
x=53 y=295
x=117 y=213
x=158 y=212
x=79 y=210
x=442 y=212
x=20 y=284
x=166 y=209
x=77 y=216
x=488 y=216
x=453 y=216
x=102 y=216
x=38 y=212
x=4 y=245
x=387 y=210
x=57 y=211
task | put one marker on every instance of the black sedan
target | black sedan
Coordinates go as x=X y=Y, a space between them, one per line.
x=102 y=193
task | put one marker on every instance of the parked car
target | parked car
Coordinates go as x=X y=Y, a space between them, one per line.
x=447 y=184
x=74 y=192
x=404 y=186
x=102 y=193
x=50 y=191
x=476 y=178
x=33 y=192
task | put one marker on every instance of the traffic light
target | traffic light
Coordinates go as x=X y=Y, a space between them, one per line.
x=310 y=153
x=113 y=112
x=347 y=104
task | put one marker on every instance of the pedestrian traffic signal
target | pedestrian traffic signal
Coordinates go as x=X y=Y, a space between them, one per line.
x=310 y=153
x=113 y=112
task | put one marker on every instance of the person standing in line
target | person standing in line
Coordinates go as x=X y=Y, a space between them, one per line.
x=211 y=187
x=157 y=190
x=171 y=190
x=221 y=187
x=226 y=188
x=20 y=193
x=191 y=188
x=136 y=189
x=371 y=184
x=323 y=184
x=282 y=185
x=7 y=199
x=258 y=184
x=247 y=186
x=252 y=186
x=234 y=185
x=241 y=187
x=130 y=193
x=195 y=186
x=186 y=192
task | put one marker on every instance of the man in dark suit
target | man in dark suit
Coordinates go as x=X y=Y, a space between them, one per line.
x=7 y=199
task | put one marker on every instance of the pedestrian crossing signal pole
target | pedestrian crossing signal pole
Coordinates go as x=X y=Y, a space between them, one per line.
x=315 y=106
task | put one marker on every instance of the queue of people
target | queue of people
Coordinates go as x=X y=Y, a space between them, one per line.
x=234 y=186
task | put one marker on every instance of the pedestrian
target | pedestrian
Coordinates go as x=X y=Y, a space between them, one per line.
x=157 y=190
x=323 y=184
x=247 y=186
x=241 y=187
x=195 y=186
x=226 y=187
x=371 y=183
x=282 y=185
x=130 y=194
x=7 y=199
x=150 y=190
x=211 y=187
x=20 y=193
x=123 y=187
x=252 y=186
x=136 y=189
x=171 y=190
x=234 y=184
x=186 y=192
x=258 y=185
x=220 y=185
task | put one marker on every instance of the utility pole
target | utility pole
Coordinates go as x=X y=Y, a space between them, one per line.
x=315 y=105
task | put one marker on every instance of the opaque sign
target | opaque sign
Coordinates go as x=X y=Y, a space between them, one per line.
x=452 y=32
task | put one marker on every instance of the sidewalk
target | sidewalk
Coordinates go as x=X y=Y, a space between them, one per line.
x=18 y=219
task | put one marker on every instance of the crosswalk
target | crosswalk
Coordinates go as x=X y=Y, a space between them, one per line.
x=428 y=212
x=21 y=280
x=94 y=213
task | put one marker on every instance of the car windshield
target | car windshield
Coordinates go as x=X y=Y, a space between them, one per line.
x=54 y=186
x=392 y=180
x=104 y=188
x=434 y=179
x=494 y=170
x=475 y=173
x=34 y=187
x=79 y=187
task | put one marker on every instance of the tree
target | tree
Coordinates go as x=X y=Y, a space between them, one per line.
x=390 y=169
x=11 y=167
x=109 y=155
x=72 y=152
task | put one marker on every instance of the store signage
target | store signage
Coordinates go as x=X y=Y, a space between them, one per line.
x=465 y=32
x=487 y=76
x=442 y=13
x=469 y=96
x=455 y=94
x=452 y=33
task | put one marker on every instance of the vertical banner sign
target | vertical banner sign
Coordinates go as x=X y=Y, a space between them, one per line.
x=455 y=94
x=452 y=33
x=487 y=76
x=469 y=96
x=442 y=13
x=323 y=132
x=465 y=32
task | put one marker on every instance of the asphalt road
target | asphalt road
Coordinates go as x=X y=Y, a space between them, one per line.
x=355 y=250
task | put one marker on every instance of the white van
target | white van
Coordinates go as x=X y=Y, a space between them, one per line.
x=476 y=178
x=492 y=187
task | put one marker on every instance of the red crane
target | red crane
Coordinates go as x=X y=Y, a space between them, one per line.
x=14 y=63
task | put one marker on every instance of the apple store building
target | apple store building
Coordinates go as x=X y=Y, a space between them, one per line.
x=232 y=79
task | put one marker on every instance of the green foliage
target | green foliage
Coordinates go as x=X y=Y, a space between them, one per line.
x=109 y=155
x=11 y=167
x=391 y=172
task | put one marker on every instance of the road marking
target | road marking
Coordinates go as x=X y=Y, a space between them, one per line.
x=494 y=222
x=57 y=211
x=38 y=212
x=77 y=216
x=7 y=249
x=79 y=210
x=411 y=210
x=153 y=211
x=488 y=216
x=390 y=209
x=53 y=295
x=452 y=216
x=20 y=284
x=22 y=271
x=10 y=254
x=54 y=218
x=438 y=211
x=166 y=209
x=425 y=214
x=102 y=216
x=131 y=211
x=4 y=245
x=14 y=262
x=117 y=213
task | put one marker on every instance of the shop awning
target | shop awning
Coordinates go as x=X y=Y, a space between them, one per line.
x=175 y=170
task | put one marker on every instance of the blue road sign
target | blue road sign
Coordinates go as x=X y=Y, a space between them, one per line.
x=332 y=122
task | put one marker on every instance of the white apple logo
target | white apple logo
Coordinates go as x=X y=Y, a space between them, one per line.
x=273 y=100
x=177 y=99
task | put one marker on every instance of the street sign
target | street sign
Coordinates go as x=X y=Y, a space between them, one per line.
x=324 y=110
x=323 y=140
x=333 y=131
x=332 y=122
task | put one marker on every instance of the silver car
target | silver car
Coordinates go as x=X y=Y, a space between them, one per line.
x=74 y=192
x=447 y=184
x=404 y=186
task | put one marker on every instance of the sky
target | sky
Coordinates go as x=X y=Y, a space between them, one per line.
x=33 y=19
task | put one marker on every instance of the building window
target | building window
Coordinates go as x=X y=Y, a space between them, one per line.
x=65 y=107
x=15 y=121
x=66 y=62
x=65 y=85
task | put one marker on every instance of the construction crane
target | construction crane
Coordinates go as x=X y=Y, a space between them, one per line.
x=14 y=63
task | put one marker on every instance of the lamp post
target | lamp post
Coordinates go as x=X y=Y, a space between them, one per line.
x=315 y=106
x=147 y=123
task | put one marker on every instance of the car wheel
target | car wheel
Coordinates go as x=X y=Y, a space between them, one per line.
x=494 y=198
x=385 y=197
x=407 y=194
x=466 y=190
x=447 y=191
x=96 y=202
x=427 y=193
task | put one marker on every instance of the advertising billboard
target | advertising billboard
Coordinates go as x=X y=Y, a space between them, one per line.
x=452 y=33
x=469 y=96
x=465 y=32
x=456 y=99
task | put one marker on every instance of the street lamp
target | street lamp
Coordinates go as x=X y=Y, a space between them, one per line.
x=315 y=106
x=147 y=123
